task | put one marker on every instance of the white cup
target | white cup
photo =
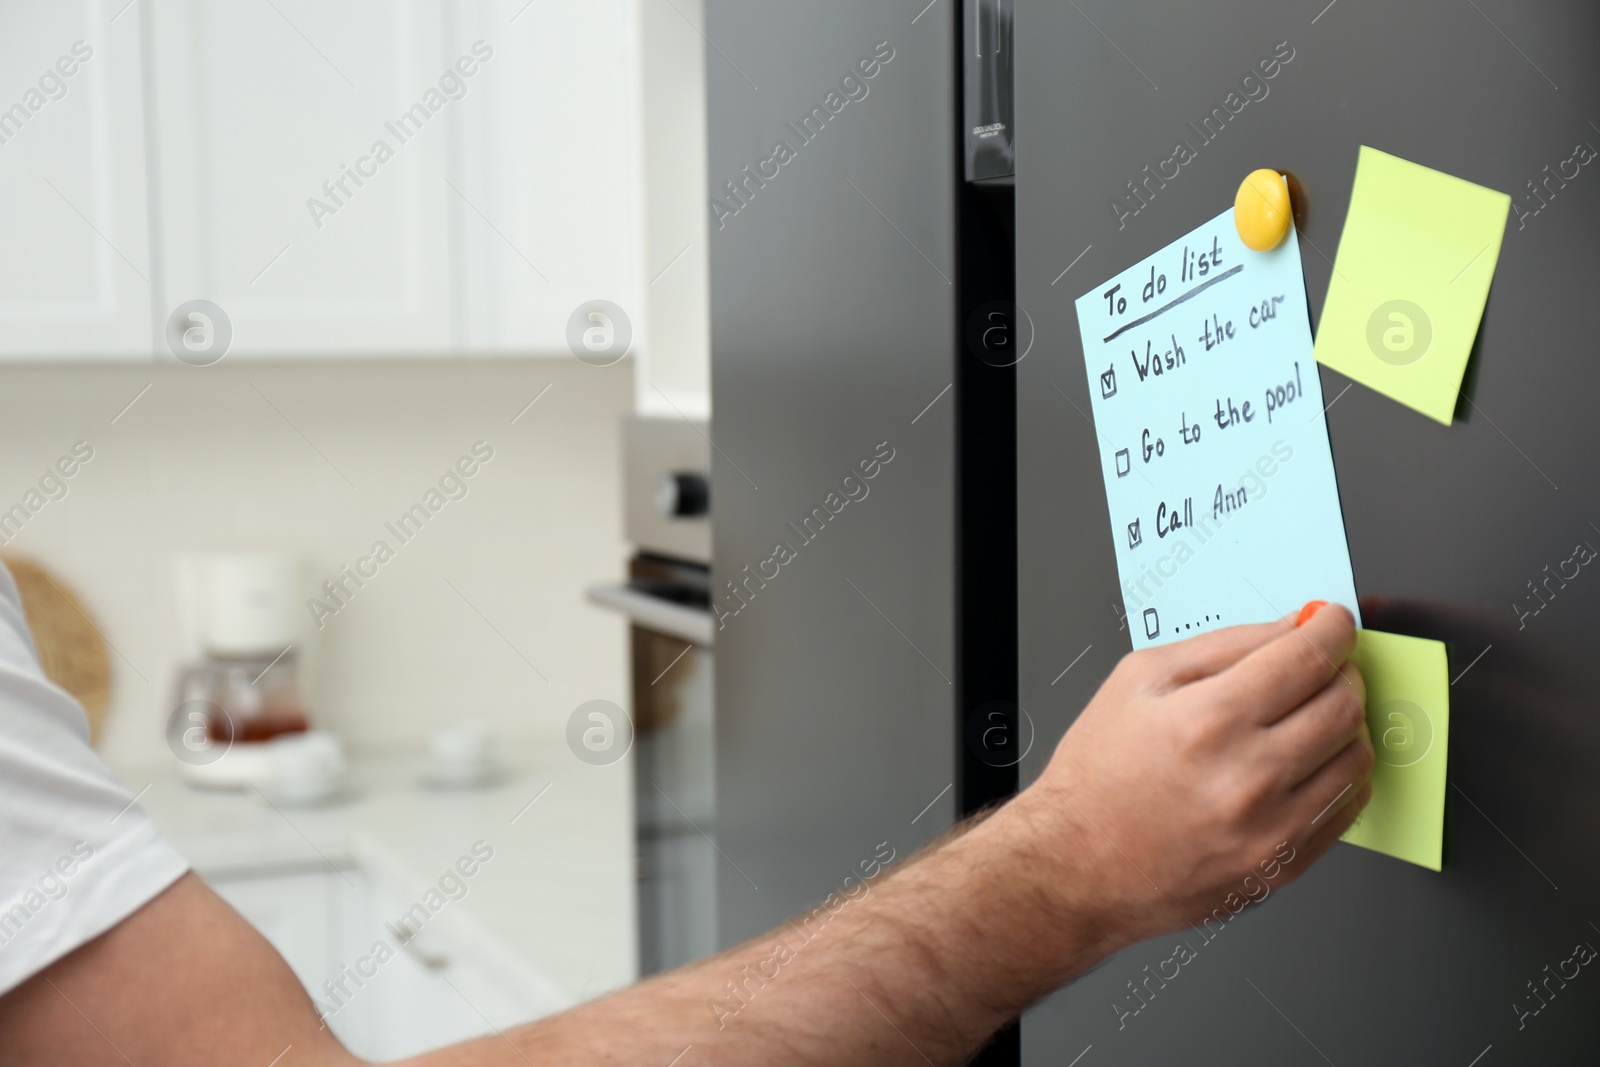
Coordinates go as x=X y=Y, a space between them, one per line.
x=461 y=754
x=305 y=769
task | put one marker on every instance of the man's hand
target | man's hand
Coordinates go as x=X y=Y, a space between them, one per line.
x=1197 y=760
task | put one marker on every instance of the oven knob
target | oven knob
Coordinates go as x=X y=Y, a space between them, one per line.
x=684 y=495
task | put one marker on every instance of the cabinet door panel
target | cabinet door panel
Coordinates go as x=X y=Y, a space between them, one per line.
x=303 y=154
x=75 y=268
x=553 y=218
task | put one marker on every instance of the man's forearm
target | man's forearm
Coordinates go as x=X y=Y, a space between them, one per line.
x=1193 y=765
x=923 y=968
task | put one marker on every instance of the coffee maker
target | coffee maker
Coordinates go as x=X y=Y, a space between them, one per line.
x=244 y=689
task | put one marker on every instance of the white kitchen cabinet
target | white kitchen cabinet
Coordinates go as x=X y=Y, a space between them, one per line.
x=276 y=202
x=75 y=266
x=366 y=177
x=554 y=216
x=392 y=177
x=383 y=1004
x=430 y=994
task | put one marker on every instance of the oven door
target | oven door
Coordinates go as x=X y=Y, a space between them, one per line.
x=674 y=768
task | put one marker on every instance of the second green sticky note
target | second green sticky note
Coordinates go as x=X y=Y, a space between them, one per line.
x=1410 y=280
x=1408 y=714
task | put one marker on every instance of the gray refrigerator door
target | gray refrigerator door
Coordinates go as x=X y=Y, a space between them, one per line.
x=832 y=333
x=1366 y=960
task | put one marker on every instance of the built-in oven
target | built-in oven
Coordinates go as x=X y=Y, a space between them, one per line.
x=667 y=519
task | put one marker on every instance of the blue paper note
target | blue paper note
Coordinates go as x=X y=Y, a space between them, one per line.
x=1213 y=438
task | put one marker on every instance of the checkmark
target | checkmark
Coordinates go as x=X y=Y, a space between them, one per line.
x=1108 y=383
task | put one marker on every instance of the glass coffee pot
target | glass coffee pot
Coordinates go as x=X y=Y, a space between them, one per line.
x=244 y=690
x=243 y=698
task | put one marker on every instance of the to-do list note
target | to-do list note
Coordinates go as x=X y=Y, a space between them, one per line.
x=1213 y=438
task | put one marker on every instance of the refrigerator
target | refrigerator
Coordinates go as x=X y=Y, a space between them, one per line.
x=905 y=273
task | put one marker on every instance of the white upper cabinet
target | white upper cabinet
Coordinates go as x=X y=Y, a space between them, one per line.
x=302 y=160
x=553 y=219
x=350 y=178
x=75 y=266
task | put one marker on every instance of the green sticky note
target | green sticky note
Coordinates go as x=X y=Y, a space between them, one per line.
x=1408 y=714
x=1410 y=281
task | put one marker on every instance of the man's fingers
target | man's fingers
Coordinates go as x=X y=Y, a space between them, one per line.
x=1334 y=824
x=1324 y=793
x=1214 y=652
x=1311 y=735
x=1283 y=674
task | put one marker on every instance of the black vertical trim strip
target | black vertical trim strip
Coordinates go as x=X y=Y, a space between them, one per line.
x=986 y=497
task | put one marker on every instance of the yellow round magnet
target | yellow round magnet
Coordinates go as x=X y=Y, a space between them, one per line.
x=1261 y=210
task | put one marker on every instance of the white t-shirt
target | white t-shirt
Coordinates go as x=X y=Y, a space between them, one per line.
x=77 y=855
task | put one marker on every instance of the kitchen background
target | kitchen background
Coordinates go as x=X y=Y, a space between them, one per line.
x=204 y=461
x=371 y=314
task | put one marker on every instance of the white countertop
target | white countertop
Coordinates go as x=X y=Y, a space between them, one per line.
x=556 y=903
